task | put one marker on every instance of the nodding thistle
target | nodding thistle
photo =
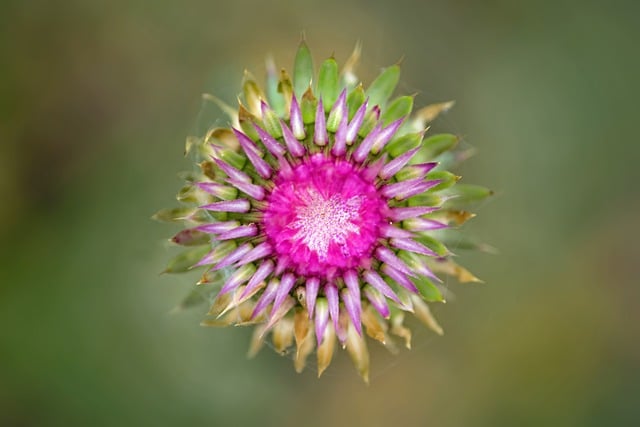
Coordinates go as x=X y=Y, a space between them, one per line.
x=322 y=212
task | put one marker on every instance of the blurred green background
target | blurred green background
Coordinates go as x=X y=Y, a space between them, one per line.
x=96 y=99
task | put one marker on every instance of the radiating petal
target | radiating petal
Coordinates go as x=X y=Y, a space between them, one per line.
x=265 y=299
x=286 y=284
x=351 y=280
x=412 y=246
x=249 y=230
x=265 y=269
x=398 y=163
x=253 y=154
x=386 y=255
x=356 y=122
x=293 y=145
x=238 y=277
x=399 y=277
x=238 y=297
x=377 y=138
x=340 y=139
x=321 y=319
x=390 y=231
x=231 y=171
x=371 y=171
x=220 y=191
x=377 y=300
x=233 y=256
x=312 y=287
x=216 y=254
x=269 y=141
x=364 y=148
x=260 y=251
x=320 y=130
x=280 y=311
x=297 y=124
x=252 y=190
x=419 y=170
x=374 y=279
x=331 y=292
x=399 y=214
x=353 y=307
x=405 y=189
x=218 y=227
x=423 y=224
x=338 y=112
x=237 y=205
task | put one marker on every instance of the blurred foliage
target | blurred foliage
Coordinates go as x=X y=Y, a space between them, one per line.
x=96 y=100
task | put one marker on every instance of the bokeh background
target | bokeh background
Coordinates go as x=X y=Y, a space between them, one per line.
x=96 y=99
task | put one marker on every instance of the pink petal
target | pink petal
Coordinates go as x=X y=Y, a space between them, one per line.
x=399 y=214
x=312 y=287
x=293 y=145
x=356 y=123
x=270 y=142
x=260 y=251
x=386 y=255
x=399 y=277
x=340 y=139
x=286 y=284
x=396 y=164
x=377 y=300
x=366 y=144
x=233 y=256
x=390 y=231
x=371 y=171
x=422 y=224
x=252 y=190
x=234 y=281
x=321 y=319
x=320 y=132
x=265 y=299
x=253 y=154
x=231 y=171
x=213 y=188
x=378 y=137
x=218 y=227
x=259 y=276
x=412 y=246
x=239 y=232
x=353 y=307
x=351 y=280
x=378 y=283
x=297 y=125
x=331 y=293
x=237 y=205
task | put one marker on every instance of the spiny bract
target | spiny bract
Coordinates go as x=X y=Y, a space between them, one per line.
x=322 y=208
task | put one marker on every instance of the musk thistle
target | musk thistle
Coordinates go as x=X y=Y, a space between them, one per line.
x=322 y=213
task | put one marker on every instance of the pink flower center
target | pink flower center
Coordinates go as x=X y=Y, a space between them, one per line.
x=324 y=217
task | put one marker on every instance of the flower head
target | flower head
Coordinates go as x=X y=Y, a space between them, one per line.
x=322 y=209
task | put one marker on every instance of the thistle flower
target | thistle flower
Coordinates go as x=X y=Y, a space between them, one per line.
x=322 y=212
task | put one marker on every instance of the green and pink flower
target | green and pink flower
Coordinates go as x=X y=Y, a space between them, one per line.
x=321 y=214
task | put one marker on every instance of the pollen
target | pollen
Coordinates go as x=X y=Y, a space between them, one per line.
x=324 y=217
x=323 y=221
